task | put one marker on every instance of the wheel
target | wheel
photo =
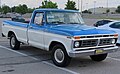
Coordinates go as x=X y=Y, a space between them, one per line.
x=118 y=44
x=59 y=56
x=99 y=57
x=14 y=43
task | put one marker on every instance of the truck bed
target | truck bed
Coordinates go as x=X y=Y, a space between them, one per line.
x=14 y=23
x=19 y=28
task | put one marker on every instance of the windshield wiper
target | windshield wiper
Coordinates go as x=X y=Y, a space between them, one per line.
x=58 y=22
x=74 y=23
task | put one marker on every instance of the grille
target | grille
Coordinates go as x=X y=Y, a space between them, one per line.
x=95 y=42
x=89 y=43
x=105 y=42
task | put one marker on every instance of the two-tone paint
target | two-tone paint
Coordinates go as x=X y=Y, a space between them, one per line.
x=42 y=36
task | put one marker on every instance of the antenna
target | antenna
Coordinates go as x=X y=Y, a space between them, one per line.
x=78 y=5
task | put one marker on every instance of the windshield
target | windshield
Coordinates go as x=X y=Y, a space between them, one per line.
x=64 y=18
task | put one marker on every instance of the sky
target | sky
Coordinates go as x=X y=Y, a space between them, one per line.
x=61 y=3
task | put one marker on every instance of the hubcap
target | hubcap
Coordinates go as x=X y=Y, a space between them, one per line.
x=59 y=55
x=12 y=41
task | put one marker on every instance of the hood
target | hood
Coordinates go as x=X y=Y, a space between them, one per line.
x=77 y=29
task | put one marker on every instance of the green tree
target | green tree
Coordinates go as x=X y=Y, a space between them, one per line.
x=13 y=8
x=87 y=11
x=70 y=5
x=25 y=8
x=6 y=9
x=118 y=9
x=30 y=10
x=22 y=9
x=49 y=4
x=107 y=11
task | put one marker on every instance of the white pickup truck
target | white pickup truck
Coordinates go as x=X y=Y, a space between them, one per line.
x=63 y=32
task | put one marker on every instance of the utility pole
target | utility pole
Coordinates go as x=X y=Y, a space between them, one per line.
x=86 y=6
x=94 y=6
x=81 y=6
x=107 y=4
x=78 y=5
x=107 y=8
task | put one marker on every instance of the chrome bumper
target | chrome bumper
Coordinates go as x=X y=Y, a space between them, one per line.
x=92 y=51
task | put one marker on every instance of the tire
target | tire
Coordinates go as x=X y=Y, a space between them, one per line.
x=117 y=44
x=59 y=56
x=14 y=43
x=99 y=57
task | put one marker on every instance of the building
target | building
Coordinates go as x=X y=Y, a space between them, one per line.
x=102 y=10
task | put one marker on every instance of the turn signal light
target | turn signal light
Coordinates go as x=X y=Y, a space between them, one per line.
x=77 y=37
x=116 y=35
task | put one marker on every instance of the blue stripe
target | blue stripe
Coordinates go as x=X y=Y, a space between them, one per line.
x=64 y=29
x=23 y=25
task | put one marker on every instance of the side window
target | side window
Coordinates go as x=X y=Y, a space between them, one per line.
x=108 y=22
x=115 y=25
x=38 y=20
x=105 y=22
x=99 y=23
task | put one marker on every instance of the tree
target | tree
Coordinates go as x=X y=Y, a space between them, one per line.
x=87 y=11
x=6 y=9
x=22 y=9
x=107 y=11
x=70 y=5
x=118 y=9
x=13 y=8
x=30 y=10
x=49 y=4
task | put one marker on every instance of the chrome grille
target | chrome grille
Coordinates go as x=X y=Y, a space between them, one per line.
x=95 y=42
x=89 y=43
x=105 y=42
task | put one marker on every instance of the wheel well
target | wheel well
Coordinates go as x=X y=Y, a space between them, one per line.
x=53 y=44
x=10 y=33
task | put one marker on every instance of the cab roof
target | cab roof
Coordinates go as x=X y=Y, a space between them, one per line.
x=57 y=10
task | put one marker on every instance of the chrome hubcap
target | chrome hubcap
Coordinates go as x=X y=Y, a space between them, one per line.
x=59 y=55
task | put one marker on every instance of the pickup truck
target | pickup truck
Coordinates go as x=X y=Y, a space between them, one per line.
x=63 y=33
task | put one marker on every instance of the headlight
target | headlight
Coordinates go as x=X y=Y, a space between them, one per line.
x=77 y=44
x=113 y=41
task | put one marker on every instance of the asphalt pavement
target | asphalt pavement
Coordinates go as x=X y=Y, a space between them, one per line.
x=30 y=60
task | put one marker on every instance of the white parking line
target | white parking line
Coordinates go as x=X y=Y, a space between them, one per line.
x=64 y=69
x=70 y=71
x=18 y=52
x=114 y=58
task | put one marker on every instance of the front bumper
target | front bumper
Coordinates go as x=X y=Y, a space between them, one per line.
x=92 y=51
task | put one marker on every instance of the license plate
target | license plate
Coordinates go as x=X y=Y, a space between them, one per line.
x=99 y=51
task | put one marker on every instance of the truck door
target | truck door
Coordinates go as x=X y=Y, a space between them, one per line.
x=36 y=30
